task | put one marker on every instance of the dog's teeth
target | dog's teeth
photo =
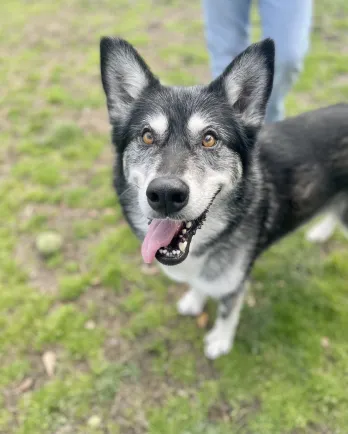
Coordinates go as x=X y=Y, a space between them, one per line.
x=184 y=231
x=161 y=251
x=182 y=246
x=188 y=225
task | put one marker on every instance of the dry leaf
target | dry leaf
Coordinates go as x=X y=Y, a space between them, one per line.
x=202 y=320
x=149 y=270
x=96 y=281
x=325 y=343
x=25 y=385
x=90 y=325
x=49 y=360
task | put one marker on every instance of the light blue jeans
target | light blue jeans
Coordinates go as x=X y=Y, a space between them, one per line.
x=287 y=22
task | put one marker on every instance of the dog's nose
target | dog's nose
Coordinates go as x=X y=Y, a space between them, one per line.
x=167 y=194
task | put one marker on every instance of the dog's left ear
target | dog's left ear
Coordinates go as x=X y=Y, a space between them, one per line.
x=124 y=74
x=248 y=81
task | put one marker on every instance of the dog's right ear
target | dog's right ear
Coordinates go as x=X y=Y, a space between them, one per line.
x=124 y=74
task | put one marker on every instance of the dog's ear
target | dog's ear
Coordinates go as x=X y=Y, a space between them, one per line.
x=248 y=81
x=124 y=74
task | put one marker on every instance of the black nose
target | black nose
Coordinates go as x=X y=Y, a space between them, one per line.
x=167 y=194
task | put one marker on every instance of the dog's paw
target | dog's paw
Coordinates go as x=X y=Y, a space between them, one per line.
x=191 y=304
x=322 y=231
x=217 y=342
x=216 y=345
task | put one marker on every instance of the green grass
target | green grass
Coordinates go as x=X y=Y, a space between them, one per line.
x=125 y=362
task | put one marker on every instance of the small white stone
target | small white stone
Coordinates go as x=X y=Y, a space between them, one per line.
x=182 y=246
x=188 y=225
x=94 y=421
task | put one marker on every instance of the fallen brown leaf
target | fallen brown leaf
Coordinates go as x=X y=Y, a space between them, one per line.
x=25 y=385
x=49 y=360
x=202 y=320
x=90 y=325
x=96 y=281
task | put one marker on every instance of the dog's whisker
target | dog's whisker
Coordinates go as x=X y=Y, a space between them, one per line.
x=127 y=190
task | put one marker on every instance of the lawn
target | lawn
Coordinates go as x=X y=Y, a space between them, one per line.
x=90 y=340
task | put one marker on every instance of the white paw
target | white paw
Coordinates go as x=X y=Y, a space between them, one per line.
x=322 y=231
x=217 y=342
x=192 y=303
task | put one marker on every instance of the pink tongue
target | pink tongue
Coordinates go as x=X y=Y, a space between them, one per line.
x=159 y=234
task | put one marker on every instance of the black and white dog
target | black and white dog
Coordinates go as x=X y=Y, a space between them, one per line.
x=204 y=188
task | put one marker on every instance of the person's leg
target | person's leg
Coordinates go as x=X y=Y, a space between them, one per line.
x=288 y=23
x=226 y=30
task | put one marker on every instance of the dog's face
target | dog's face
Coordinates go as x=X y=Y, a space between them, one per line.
x=182 y=147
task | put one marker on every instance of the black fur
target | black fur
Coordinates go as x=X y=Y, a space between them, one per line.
x=272 y=180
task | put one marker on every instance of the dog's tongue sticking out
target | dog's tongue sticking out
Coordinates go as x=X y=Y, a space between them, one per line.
x=159 y=234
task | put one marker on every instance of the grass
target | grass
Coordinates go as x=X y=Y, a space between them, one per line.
x=125 y=362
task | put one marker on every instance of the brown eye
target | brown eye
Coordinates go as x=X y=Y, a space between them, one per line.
x=148 y=138
x=209 y=141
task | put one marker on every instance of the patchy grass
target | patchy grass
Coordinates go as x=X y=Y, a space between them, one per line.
x=126 y=363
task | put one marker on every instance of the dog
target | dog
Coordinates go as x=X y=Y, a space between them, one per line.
x=207 y=187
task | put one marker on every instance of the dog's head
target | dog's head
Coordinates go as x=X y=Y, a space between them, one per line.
x=181 y=147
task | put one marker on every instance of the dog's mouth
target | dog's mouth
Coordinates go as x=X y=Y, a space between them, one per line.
x=169 y=240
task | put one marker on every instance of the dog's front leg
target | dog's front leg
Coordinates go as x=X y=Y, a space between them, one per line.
x=192 y=302
x=219 y=340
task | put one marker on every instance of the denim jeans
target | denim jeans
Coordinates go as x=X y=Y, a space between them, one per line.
x=287 y=22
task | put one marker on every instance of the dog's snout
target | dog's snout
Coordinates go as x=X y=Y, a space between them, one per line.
x=167 y=194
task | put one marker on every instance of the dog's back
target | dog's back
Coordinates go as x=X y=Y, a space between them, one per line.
x=305 y=164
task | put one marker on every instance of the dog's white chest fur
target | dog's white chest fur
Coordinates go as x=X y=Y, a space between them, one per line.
x=191 y=272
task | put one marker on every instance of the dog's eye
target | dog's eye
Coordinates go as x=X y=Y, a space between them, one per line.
x=209 y=140
x=148 y=138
